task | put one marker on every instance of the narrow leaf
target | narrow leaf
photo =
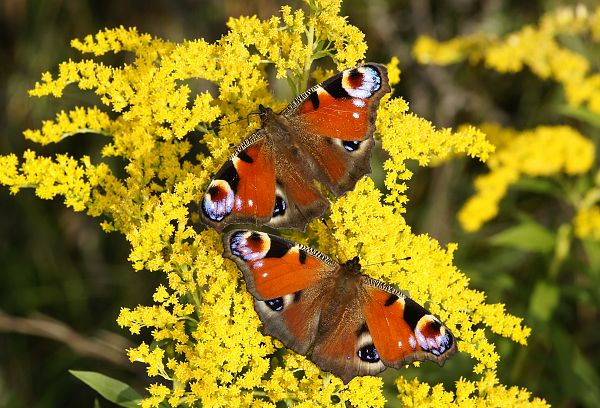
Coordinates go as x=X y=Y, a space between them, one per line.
x=544 y=300
x=538 y=185
x=580 y=113
x=528 y=236
x=113 y=390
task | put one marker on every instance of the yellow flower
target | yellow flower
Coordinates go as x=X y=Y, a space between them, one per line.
x=543 y=151
x=158 y=393
x=587 y=223
x=207 y=345
x=408 y=137
x=535 y=47
x=485 y=392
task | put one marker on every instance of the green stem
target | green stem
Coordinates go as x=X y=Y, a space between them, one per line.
x=561 y=249
x=592 y=197
x=310 y=37
x=84 y=130
x=518 y=364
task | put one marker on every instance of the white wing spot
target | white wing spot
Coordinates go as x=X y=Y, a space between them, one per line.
x=238 y=203
x=412 y=342
x=359 y=103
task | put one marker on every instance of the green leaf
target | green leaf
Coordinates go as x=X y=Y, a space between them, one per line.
x=113 y=390
x=538 y=185
x=321 y=54
x=580 y=113
x=589 y=377
x=592 y=250
x=544 y=300
x=527 y=236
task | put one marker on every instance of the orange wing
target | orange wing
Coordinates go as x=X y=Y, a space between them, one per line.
x=401 y=329
x=288 y=281
x=243 y=191
x=274 y=267
x=344 y=106
x=344 y=346
x=334 y=122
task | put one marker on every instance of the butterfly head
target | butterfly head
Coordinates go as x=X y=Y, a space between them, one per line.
x=353 y=265
x=266 y=114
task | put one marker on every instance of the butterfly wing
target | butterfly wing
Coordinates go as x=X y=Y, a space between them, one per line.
x=287 y=280
x=402 y=331
x=334 y=122
x=243 y=191
x=344 y=346
x=347 y=323
x=297 y=198
x=325 y=134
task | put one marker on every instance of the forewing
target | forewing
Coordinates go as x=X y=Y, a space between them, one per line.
x=274 y=267
x=243 y=191
x=402 y=330
x=334 y=122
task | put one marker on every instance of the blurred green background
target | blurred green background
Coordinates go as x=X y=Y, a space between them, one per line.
x=63 y=280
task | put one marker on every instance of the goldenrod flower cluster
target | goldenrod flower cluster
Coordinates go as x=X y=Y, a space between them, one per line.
x=207 y=346
x=535 y=47
x=544 y=151
x=587 y=223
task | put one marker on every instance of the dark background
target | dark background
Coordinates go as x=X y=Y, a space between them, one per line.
x=63 y=280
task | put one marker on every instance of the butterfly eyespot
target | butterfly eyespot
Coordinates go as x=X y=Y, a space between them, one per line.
x=280 y=206
x=355 y=78
x=362 y=82
x=448 y=342
x=249 y=246
x=351 y=145
x=218 y=200
x=275 y=305
x=432 y=336
x=368 y=354
x=255 y=237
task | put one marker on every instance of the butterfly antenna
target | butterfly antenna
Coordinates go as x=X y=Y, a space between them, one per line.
x=250 y=114
x=359 y=249
x=217 y=126
x=384 y=262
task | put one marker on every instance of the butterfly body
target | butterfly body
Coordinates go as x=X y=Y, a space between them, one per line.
x=324 y=136
x=346 y=322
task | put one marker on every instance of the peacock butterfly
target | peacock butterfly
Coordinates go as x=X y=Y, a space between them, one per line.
x=324 y=135
x=349 y=324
